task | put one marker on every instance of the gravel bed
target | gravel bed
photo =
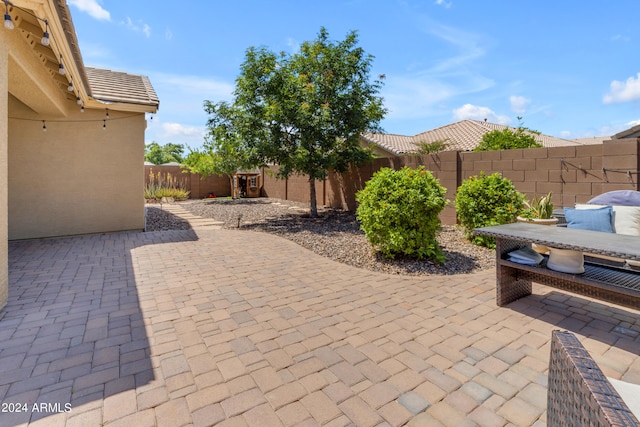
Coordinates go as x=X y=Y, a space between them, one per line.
x=335 y=235
x=158 y=219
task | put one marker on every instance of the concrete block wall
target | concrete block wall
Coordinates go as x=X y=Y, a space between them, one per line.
x=573 y=174
x=219 y=185
x=339 y=189
x=199 y=187
x=272 y=186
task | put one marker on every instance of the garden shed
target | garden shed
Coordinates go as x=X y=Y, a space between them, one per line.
x=247 y=183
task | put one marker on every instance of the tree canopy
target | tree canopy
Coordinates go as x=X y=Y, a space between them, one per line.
x=224 y=152
x=508 y=139
x=160 y=154
x=304 y=112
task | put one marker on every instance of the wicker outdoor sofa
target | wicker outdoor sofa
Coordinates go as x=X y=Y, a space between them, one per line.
x=579 y=394
x=609 y=283
x=606 y=230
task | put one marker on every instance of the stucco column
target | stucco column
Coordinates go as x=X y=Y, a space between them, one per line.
x=4 y=168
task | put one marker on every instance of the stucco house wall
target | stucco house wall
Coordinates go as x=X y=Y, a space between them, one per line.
x=4 y=135
x=76 y=177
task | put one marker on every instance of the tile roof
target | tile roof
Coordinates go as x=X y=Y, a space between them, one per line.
x=633 y=132
x=397 y=144
x=117 y=87
x=592 y=140
x=464 y=135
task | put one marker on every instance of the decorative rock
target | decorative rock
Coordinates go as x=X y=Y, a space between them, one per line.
x=336 y=234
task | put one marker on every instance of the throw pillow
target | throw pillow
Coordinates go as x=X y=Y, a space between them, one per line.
x=626 y=219
x=590 y=219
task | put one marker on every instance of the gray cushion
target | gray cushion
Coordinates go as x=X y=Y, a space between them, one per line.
x=630 y=393
x=618 y=197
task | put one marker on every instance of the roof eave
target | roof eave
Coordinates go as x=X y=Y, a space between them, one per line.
x=628 y=133
x=71 y=45
x=118 y=105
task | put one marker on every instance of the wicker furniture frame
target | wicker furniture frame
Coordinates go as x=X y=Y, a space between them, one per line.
x=619 y=285
x=578 y=393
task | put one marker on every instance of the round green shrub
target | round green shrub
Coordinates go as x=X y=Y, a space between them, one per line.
x=486 y=200
x=398 y=212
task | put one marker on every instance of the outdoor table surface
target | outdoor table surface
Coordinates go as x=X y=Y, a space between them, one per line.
x=610 y=244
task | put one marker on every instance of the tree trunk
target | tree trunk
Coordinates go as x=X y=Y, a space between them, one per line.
x=312 y=198
x=233 y=193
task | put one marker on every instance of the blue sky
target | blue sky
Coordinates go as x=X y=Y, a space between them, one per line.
x=569 y=68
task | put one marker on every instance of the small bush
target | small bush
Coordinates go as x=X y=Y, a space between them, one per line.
x=483 y=201
x=398 y=212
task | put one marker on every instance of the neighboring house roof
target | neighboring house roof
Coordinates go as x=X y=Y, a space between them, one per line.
x=633 y=132
x=396 y=144
x=109 y=86
x=593 y=140
x=464 y=135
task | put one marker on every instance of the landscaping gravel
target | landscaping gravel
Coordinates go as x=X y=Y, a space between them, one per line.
x=336 y=234
x=158 y=219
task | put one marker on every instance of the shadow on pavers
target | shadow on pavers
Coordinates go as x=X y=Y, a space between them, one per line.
x=72 y=331
x=608 y=323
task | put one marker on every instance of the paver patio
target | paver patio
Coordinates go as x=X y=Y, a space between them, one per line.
x=232 y=328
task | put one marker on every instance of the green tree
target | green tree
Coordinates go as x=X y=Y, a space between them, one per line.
x=160 y=154
x=224 y=152
x=508 y=139
x=305 y=112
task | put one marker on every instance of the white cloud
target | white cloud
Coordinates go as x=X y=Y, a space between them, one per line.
x=519 y=104
x=475 y=112
x=423 y=95
x=633 y=123
x=179 y=131
x=470 y=46
x=620 y=38
x=181 y=101
x=430 y=89
x=425 y=92
x=138 y=27
x=623 y=91
x=92 y=8
x=446 y=4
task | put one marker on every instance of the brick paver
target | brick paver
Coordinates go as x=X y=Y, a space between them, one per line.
x=224 y=327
